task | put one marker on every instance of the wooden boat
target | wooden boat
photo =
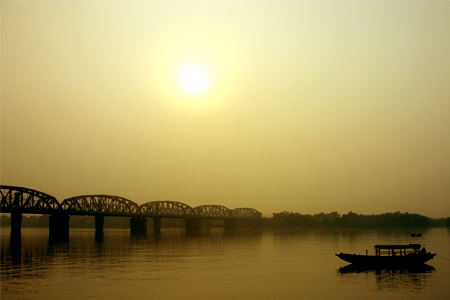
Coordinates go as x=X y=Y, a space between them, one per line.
x=391 y=255
x=416 y=234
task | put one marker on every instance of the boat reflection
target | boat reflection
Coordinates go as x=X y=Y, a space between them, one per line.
x=392 y=279
x=353 y=268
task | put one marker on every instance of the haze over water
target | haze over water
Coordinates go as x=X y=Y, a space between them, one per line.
x=298 y=106
x=288 y=264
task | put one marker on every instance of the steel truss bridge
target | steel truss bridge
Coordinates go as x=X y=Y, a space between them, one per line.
x=28 y=201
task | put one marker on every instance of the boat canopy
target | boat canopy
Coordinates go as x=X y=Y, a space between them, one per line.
x=392 y=249
x=410 y=246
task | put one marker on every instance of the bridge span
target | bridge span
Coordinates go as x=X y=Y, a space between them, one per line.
x=20 y=200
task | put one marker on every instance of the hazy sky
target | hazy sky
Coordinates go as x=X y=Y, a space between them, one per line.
x=312 y=106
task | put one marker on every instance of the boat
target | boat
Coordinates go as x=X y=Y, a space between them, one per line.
x=390 y=256
x=416 y=234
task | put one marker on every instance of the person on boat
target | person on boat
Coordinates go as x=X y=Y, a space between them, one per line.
x=423 y=251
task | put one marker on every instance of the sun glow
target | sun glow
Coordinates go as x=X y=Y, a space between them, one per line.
x=194 y=79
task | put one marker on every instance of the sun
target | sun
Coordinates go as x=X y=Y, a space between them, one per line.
x=194 y=79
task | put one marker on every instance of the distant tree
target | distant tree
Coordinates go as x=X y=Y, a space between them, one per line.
x=288 y=219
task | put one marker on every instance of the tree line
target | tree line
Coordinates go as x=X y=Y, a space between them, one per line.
x=334 y=219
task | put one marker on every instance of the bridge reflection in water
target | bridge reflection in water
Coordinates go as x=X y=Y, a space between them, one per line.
x=20 y=200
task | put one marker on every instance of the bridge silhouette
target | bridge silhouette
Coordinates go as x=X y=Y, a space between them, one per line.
x=20 y=200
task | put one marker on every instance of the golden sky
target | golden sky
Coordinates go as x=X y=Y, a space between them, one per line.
x=311 y=106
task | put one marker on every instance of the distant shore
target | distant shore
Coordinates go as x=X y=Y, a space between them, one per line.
x=354 y=220
x=278 y=220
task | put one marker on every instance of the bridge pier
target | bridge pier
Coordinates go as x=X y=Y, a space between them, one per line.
x=156 y=223
x=193 y=224
x=15 y=239
x=16 y=216
x=99 y=223
x=138 y=224
x=59 y=226
x=16 y=223
x=230 y=224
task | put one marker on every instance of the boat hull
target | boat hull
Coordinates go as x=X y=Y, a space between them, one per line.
x=383 y=261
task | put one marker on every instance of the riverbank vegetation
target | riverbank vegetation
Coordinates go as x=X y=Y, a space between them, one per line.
x=354 y=220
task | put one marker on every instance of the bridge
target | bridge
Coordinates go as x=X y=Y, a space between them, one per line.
x=20 y=200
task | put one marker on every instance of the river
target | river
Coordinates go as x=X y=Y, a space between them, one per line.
x=268 y=264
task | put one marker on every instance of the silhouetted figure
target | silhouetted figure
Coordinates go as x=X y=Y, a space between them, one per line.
x=423 y=251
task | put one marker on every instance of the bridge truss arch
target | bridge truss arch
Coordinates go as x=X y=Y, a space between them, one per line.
x=100 y=204
x=213 y=211
x=166 y=208
x=246 y=212
x=27 y=200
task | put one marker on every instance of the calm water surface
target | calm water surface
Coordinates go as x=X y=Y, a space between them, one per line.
x=296 y=264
